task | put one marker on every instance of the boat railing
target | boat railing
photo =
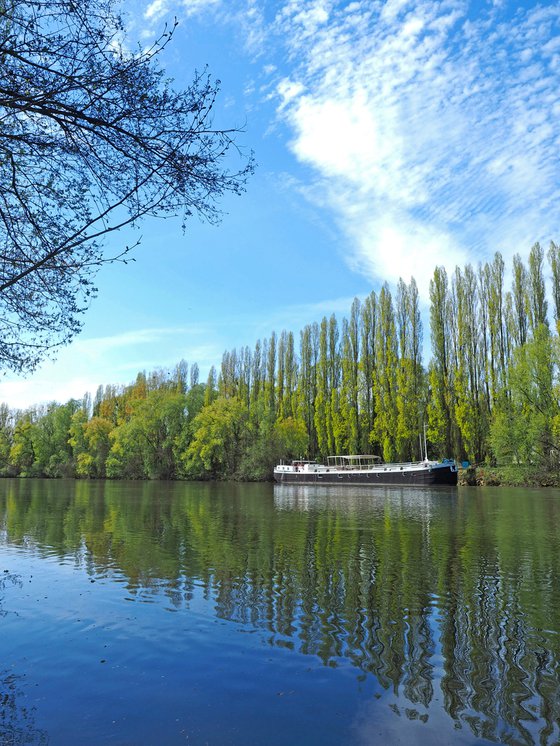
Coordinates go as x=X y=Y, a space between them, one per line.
x=359 y=463
x=364 y=461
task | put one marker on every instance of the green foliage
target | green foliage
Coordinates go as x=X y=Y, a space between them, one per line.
x=97 y=437
x=291 y=437
x=6 y=439
x=146 y=444
x=22 y=453
x=219 y=437
x=385 y=383
x=525 y=430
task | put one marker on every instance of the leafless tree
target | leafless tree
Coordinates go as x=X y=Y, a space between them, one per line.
x=93 y=137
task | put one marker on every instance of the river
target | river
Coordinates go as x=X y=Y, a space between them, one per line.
x=193 y=613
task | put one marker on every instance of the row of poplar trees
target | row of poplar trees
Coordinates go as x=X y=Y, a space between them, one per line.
x=488 y=394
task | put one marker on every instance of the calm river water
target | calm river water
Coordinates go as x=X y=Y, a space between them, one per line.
x=172 y=613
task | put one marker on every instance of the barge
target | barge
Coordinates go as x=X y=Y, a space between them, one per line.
x=367 y=470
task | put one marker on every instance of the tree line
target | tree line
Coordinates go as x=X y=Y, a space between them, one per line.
x=489 y=393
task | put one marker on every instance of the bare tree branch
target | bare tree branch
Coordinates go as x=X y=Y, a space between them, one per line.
x=92 y=139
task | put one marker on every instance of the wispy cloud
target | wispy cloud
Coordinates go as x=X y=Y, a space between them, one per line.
x=433 y=134
x=157 y=10
x=114 y=359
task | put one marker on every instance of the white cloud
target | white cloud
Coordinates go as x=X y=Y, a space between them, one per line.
x=158 y=8
x=392 y=246
x=434 y=135
x=155 y=10
x=192 y=7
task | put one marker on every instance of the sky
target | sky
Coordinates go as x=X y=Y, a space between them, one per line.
x=390 y=137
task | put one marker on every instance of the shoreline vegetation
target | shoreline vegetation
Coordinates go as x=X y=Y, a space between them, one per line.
x=489 y=395
x=471 y=476
x=507 y=476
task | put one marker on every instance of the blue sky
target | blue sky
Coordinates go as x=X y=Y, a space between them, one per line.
x=390 y=137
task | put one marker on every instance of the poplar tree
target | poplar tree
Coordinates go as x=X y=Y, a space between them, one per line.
x=333 y=408
x=245 y=369
x=323 y=393
x=349 y=404
x=520 y=301
x=367 y=369
x=194 y=375
x=228 y=381
x=409 y=369
x=281 y=374
x=291 y=375
x=211 y=389
x=538 y=305
x=306 y=390
x=385 y=388
x=256 y=384
x=554 y=261
x=440 y=372
x=270 y=381
x=496 y=318
x=470 y=412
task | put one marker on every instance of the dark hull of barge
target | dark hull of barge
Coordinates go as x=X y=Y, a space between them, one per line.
x=441 y=475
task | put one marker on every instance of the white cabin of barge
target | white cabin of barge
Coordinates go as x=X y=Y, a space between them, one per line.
x=358 y=461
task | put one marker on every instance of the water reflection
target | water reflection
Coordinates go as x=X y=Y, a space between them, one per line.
x=449 y=599
x=17 y=720
x=311 y=497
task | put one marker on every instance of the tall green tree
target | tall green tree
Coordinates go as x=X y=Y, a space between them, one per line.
x=538 y=305
x=409 y=379
x=349 y=391
x=471 y=411
x=307 y=384
x=270 y=380
x=322 y=398
x=333 y=406
x=440 y=407
x=520 y=295
x=554 y=261
x=385 y=388
x=367 y=370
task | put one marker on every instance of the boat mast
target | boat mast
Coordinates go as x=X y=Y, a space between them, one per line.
x=425 y=444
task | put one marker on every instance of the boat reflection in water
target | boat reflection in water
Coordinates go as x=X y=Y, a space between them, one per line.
x=418 y=500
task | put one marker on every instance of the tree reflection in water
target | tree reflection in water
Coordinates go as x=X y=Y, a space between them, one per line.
x=17 y=722
x=448 y=598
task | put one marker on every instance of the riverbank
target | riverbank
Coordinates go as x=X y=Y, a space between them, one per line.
x=507 y=476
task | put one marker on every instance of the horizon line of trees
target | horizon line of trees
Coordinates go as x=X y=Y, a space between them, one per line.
x=489 y=394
